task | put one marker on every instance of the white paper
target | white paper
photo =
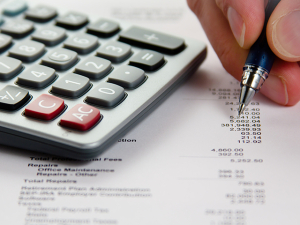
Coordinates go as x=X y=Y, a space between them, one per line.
x=188 y=162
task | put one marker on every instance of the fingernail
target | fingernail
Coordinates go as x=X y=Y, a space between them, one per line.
x=275 y=88
x=286 y=34
x=237 y=25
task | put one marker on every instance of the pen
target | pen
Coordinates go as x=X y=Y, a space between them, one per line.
x=258 y=64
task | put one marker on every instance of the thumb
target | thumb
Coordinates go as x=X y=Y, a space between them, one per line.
x=283 y=31
x=246 y=19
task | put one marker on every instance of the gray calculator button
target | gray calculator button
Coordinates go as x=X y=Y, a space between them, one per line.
x=60 y=59
x=93 y=67
x=115 y=51
x=106 y=94
x=127 y=76
x=82 y=43
x=103 y=28
x=147 y=60
x=5 y=41
x=40 y=13
x=27 y=51
x=50 y=35
x=17 y=28
x=71 y=85
x=72 y=20
x=1 y=20
x=12 y=97
x=9 y=67
x=14 y=8
x=37 y=76
x=153 y=40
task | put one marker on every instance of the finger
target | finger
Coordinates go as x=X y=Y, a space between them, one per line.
x=283 y=31
x=283 y=84
x=246 y=19
x=219 y=33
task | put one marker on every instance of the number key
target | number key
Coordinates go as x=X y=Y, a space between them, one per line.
x=71 y=85
x=115 y=51
x=40 y=13
x=27 y=51
x=5 y=41
x=106 y=94
x=17 y=28
x=9 y=67
x=82 y=43
x=93 y=67
x=37 y=76
x=60 y=59
x=50 y=35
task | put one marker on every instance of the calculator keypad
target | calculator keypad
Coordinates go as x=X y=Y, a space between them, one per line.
x=109 y=93
x=74 y=82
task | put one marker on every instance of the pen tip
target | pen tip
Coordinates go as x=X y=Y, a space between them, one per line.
x=241 y=108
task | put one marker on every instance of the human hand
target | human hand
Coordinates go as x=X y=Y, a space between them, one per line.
x=232 y=26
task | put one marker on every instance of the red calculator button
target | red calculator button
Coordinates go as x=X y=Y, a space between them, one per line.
x=81 y=117
x=45 y=107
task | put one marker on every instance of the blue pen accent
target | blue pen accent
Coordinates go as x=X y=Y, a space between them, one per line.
x=258 y=64
x=260 y=53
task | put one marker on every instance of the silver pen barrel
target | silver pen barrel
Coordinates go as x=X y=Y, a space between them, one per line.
x=252 y=80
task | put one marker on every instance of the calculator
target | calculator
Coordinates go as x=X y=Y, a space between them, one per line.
x=73 y=83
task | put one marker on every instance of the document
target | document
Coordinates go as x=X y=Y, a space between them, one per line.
x=191 y=161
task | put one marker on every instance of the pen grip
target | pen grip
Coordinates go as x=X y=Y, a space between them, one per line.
x=260 y=53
